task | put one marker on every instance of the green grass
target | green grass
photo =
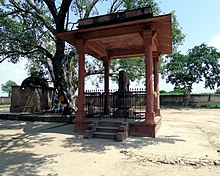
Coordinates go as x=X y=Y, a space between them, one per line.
x=209 y=106
x=4 y=106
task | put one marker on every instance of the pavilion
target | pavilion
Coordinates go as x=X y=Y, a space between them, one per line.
x=123 y=35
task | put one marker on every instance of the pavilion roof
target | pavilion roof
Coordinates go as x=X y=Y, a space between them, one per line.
x=104 y=37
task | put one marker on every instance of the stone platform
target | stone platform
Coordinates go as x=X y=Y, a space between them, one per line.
x=39 y=117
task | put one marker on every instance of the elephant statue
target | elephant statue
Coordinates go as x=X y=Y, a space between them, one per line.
x=123 y=81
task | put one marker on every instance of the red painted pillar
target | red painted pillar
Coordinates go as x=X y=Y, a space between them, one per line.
x=156 y=85
x=149 y=115
x=106 y=63
x=81 y=81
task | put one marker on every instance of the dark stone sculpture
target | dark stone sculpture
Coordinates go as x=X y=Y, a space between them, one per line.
x=123 y=97
x=123 y=81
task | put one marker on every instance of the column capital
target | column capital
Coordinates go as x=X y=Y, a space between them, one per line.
x=106 y=61
x=79 y=44
x=147 y=36
x=156 y=55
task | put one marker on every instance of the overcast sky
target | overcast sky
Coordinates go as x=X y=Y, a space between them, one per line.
x=200 y=21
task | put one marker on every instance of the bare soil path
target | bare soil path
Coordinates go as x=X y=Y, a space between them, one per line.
x=187 y=144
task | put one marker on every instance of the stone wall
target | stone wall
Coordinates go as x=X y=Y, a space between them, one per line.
x=30 y=99
x=5 y=100
x=139 y=99
x=37 y=99
x=191 y=99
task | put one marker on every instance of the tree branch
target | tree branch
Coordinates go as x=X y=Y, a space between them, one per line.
x=10 y=13
x=93 y=72
x=52 y=7
x=3 y=59
x=9 y=54
x=62 y=15
x=40 y=48
x=115 y=6
x=40 y=16
x=90 y=7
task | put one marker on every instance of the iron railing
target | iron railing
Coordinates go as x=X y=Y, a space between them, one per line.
x=129 y=105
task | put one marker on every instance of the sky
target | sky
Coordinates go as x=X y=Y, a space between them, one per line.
x=200 y=21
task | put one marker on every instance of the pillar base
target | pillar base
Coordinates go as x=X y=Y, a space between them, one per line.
x=81 y=126
x=158 y=112
x=145 y=129
x=150 y=117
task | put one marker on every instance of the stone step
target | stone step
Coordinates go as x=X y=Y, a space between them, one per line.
x=109 y=123
x=106 y=129
x=104 y=135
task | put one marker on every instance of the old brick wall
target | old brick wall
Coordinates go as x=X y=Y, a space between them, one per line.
x=30 y=99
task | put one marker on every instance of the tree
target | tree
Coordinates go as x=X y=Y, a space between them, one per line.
x=28 y=29
x=199 y=64
x=7 y=87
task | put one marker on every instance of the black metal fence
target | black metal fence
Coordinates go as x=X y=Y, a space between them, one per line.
x=128 y=105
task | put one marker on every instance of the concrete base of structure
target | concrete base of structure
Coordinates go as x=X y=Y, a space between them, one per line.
x=135 y=129
x=144 y=129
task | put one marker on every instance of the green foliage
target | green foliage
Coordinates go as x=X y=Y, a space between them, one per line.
x=177 y=91
x=5 y=106
x=177 y=35
x=28 y=29
x=200 y=64
x=217 y=91
x=23 y=35
x=131 y=4
x=7 y=87
x=163 y=92
x=134 y=67
x=208 y=106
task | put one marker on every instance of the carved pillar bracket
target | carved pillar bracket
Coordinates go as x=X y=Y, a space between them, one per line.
x=81 y=80
x=150 y=114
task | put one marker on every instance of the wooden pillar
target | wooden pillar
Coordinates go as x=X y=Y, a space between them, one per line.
x=106 y=63
x=81 y=81
x=149 y=115
x=156 y=85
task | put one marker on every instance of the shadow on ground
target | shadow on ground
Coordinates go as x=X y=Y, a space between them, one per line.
x=22 y=163
x=78 y=144
x=16 y=158
x=16 y=138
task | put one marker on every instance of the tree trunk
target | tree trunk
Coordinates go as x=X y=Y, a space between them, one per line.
x=57 y=63
x=68 y=74
x=63 y=70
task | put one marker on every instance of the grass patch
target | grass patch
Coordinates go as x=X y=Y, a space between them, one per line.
x=5 y=106
x=209 y=106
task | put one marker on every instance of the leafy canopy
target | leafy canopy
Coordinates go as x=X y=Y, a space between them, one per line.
x=7 y=87
x=28 y=29
x=201 y=63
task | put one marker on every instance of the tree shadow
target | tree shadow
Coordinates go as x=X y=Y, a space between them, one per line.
x=8 y=124
x=18 y=160
x=78 y=144
x=23 y=163
x=14 y=154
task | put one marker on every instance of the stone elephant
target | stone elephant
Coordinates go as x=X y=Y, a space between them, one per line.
x=123 y=81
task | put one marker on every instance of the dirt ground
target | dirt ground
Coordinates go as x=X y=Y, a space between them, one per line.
x=188 y=143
